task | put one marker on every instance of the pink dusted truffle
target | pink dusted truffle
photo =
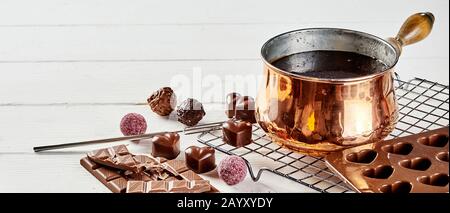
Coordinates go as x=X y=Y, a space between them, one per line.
x=133 y=124
x=232 y=170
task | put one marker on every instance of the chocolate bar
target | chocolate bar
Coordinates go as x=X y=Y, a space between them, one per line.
x=175 y=167
x=173 y=186
x=417 y=163
x=109 y=177
x=191 y=175
x=167 y=175
x=120 y=158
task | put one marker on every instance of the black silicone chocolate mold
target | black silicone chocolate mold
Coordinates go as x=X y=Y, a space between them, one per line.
x=379 y=172
x=397 y=187
x=365 y=156
x=436 y=140
x=443 y=156
x=435 y=180
x=401 y=148
x=418 y=163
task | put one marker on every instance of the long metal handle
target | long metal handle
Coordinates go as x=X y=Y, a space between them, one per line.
x=108 y=140
x=187 y=131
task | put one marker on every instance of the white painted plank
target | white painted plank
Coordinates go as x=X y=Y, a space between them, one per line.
x=115 y=82
x=133 y=82
x=26 y=127
x=98 y=51
x=62 y=173
x=59 y=170
x=149 y=43
x=119 y=12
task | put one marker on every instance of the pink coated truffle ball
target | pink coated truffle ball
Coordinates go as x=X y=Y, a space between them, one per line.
x=133 y=124
x=232 y=170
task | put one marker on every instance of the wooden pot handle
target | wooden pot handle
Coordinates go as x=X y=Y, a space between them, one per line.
x=414 y=29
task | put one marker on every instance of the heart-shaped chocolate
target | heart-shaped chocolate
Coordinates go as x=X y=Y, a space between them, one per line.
x=418 y=163
x=436 y=140
x=397 y=187
x=200 y=160
x=166 y=145
x=434 y=180
x=365 y=156
x=237 y=133
x=401 y=148
x=379 y=172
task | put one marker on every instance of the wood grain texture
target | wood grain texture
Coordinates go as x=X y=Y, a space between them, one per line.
x=132 y=82
x=176 y=43
x=60 y=169
x=124 y=12
x=71 y=69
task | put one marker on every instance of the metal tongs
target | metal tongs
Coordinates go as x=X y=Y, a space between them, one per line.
x=187 y=131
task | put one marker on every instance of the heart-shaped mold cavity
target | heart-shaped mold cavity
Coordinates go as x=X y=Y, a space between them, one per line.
x=418 y=163
x=436 y=140
x=364 y=156
x=380 y=172
x=434 y=180
x=443 y=156
x=398 y=187
x=400 y=148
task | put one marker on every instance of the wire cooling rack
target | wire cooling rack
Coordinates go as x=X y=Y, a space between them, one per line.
x=423 y=105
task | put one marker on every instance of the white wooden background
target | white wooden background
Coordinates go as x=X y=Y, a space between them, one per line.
x=69 y=68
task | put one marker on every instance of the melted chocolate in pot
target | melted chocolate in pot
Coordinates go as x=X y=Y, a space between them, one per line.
x=330 y=64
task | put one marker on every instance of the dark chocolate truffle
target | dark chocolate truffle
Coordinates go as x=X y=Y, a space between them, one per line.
x=163 y=101
x=231 y=104
x=237 y=133
x=190 y=112
x=245 y=109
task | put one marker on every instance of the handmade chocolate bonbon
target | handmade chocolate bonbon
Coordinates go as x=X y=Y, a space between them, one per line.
x=414 y=163
x=231 y=100
x=190 y=112
x=245 y=109
x=162 y=101
x=232 y=170
x=200 y=160
x=166 y=145
x=237 y=133
x=133 y=124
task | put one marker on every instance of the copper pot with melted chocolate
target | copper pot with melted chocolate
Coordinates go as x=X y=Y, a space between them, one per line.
x=327 y=89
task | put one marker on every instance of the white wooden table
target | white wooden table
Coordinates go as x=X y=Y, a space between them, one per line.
x=71 y=69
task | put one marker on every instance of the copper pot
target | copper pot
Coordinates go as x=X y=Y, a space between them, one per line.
x=315 y=115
